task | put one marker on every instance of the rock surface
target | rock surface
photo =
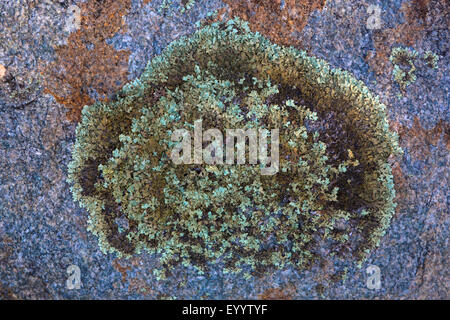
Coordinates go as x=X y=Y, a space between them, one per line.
x=47 y=73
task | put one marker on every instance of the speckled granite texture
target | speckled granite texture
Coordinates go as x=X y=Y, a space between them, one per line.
x=42 y=231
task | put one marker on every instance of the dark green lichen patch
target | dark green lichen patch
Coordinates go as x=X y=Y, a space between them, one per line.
x=334 y=184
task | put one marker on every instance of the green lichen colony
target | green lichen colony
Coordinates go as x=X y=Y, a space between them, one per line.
x=334 y=187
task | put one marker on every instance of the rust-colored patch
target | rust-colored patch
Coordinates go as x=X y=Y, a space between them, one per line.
x=418 y=141
x=407 y=33
x=87 y=64
x=286 y=293
x=2 y=71
x=274 y=21
x=122 y=269
x=137 y=285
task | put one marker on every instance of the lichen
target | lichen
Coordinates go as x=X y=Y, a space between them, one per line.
x=2 y=71
x=405 y=61
x=404 y=67
x=334 y=187
x=280 y=21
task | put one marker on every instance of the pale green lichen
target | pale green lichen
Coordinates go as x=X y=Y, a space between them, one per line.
x=404 y=67
x=431 y=59
x=405 y=61
x=334 y=187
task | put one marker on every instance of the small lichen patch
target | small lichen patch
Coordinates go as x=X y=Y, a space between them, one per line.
x=181 y=5
x=431 y=59
x=419 y=21
x=405 y=62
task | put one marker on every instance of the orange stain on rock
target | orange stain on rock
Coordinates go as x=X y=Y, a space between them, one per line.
x=274 y=21
x=2 y=71
x=122 y=269
x=286 y=293
x=87 y=63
